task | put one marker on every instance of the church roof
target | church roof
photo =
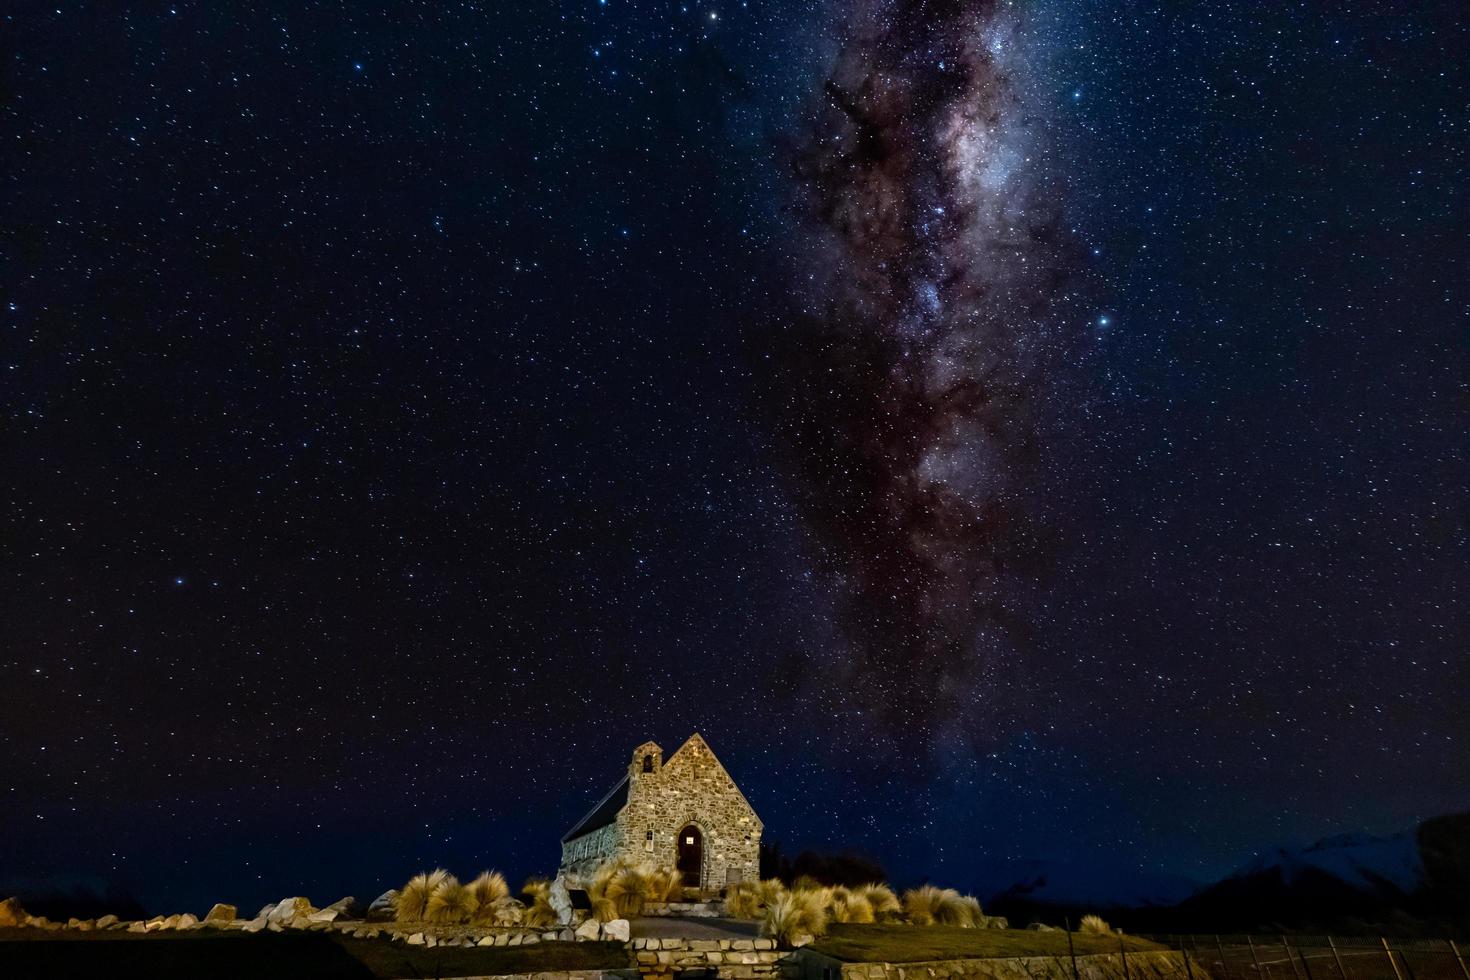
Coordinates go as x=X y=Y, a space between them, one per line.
x=603 y=813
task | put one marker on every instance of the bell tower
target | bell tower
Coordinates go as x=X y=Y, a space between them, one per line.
x=648 y=759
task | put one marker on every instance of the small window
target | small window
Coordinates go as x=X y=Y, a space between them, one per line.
x=650 y=836
x=648 y=763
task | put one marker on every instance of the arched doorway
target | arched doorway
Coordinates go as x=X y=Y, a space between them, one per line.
x=691 y=856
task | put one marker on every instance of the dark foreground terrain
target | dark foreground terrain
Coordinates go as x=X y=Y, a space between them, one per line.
x=32 y=954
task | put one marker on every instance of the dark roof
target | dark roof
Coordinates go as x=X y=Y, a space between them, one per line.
x=603 y=813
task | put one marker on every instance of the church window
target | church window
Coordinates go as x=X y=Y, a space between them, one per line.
x=648 y=763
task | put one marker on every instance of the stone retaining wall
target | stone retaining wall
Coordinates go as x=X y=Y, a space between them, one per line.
x=1160 y=965
x=728 y=959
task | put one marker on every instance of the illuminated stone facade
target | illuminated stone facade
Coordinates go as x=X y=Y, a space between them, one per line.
x=685 y=812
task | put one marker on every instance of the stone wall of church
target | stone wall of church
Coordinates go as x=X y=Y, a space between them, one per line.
x=581 y=856
x=692 y=787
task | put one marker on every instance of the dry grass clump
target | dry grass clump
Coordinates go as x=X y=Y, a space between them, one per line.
x=750 y=899
x=487 y=893
x=970 y=911
x=449 y=903
x=885 y=904
x=1094 y=925
x=846 y=905
x=539 y=914
x=806 y=883
x=665 y=885
x=931 y=906
x=620 y=888
x=743 y=900
x=412 y=901
x=795 y=914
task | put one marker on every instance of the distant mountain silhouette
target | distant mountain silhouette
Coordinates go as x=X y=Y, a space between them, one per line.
x=1350 y=881
x=1414 y=882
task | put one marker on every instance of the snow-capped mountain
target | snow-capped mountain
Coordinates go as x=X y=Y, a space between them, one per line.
x=1360 y=861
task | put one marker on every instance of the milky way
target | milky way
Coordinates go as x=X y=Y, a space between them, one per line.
x=930 y=276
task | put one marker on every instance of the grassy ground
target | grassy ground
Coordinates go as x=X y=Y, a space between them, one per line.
x=915 y=944
x=33 y=954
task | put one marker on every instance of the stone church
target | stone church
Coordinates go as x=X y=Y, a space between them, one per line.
x=686 y=812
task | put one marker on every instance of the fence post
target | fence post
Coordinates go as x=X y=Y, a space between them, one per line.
x=1338 y=956
x=1306 y=964
x=1071 y=951
x=1220 y=948
x=1255 y=957
x=1391 y=961
x=1290 y=959
x=1459 y=959
x=1123 y=951
x=1189 y=970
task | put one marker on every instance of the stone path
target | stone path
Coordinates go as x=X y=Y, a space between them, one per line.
x=673 y=927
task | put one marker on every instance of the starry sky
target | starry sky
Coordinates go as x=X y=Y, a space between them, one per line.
x=1005 y=430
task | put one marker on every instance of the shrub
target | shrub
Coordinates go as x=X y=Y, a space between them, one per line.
x=485 y=891
x=412 y=901
x=793 y=914
x=884 y=903
x=449 y=903
x=1094 y=925
x=806 y=883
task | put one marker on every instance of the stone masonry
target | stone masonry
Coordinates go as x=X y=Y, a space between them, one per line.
x=642 y=818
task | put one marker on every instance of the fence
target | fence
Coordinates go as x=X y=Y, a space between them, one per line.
x=1322 y=957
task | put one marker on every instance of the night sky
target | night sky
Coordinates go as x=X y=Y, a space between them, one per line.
x=1033 y=429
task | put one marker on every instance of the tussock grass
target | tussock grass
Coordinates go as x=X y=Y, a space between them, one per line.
x=921 y=905
x=806 y=883
x=794 y=914
x=885 y=904
x=539 y=914
x=750 y=899
x=485 y=892
x=1094 y=925
x=743 y=900
x=449 y=903
x=846 y=905
x=412 y=901
x=665 y=885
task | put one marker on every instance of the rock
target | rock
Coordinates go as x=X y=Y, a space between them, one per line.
x=347 y=908
x=417 y=939
x=799 y=941
x=588 y=930
x=186 y=921
x=566 y=936
x=265 y=911
x=256 y=924
x=325 y=915
x=107 y=922
x=381 y=910
x=289 y=908
x=222 y=913
x=1042 y=927
x=137 y=927
x=274 y=926
x=561 y=900
x=616 y=930
x=11 y=913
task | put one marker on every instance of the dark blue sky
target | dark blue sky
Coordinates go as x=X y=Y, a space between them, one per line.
x=387 y=446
